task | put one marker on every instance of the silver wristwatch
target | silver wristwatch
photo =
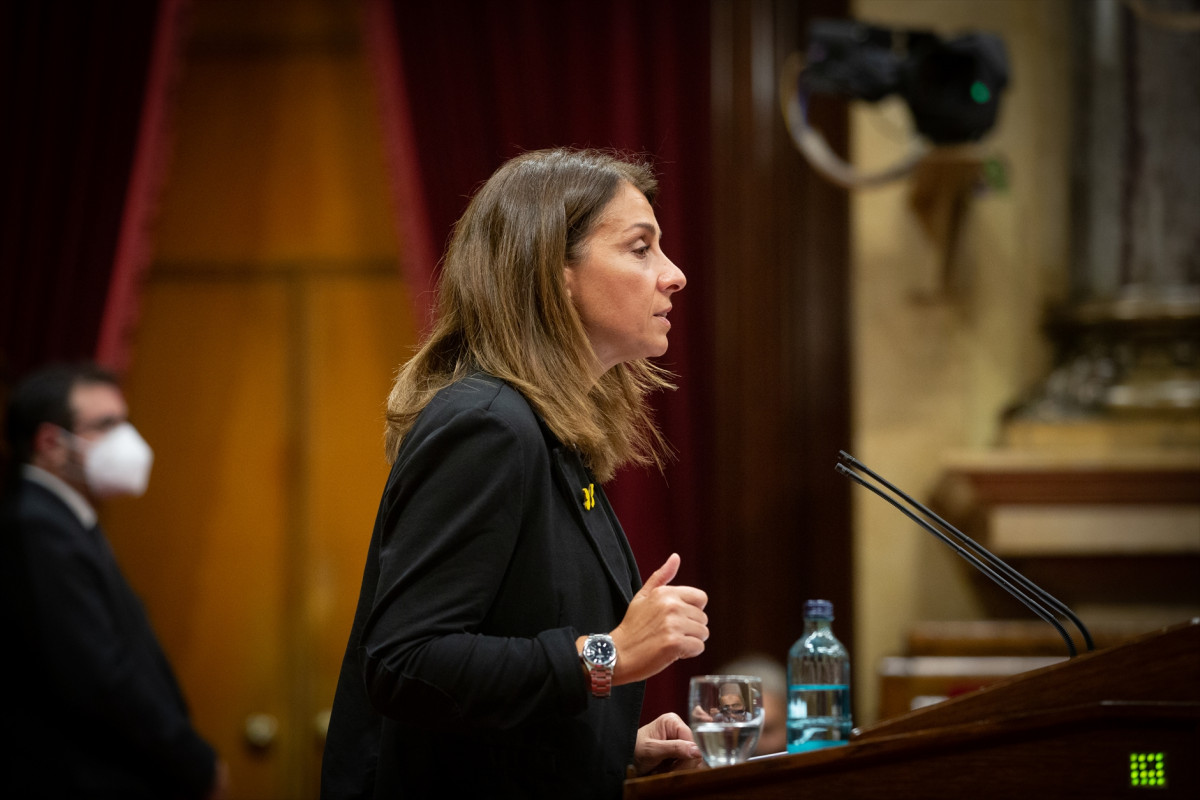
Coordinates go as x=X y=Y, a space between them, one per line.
x=599 y=656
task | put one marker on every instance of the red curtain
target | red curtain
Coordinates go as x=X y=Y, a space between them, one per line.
x=76 y=79
x=467 y=85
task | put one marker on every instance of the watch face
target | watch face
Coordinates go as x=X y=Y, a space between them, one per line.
x=599 y=651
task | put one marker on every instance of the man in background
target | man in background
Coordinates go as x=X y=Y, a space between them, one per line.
x=774 y=681
x=90 y=698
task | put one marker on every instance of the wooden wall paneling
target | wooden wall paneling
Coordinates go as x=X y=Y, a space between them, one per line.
x=273 y=320
x=207 y=545
x=361 y=327
x=781 y=347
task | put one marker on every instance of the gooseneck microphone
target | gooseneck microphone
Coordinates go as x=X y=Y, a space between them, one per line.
x=1030 y=594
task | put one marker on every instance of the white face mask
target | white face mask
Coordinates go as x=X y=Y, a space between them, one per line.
x=118 y=463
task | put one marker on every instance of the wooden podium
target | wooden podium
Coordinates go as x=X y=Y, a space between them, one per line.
x=1120 y=722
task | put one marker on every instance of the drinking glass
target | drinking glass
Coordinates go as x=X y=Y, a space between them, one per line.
x=726 y=716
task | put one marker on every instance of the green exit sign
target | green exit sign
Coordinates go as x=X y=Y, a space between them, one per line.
x=1147 y=771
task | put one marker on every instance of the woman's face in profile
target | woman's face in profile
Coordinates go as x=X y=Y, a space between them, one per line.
x=622 y=285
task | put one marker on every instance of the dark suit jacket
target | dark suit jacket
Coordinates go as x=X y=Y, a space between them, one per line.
x=487 y=560
x=88 y=692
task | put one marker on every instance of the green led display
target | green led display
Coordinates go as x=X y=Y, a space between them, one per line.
x=1147 y=771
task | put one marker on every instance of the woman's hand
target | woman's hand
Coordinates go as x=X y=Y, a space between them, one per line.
x=665 y=745
x=662 y=625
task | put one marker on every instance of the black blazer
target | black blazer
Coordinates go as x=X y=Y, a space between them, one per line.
x=94 y=703
x=493 y=550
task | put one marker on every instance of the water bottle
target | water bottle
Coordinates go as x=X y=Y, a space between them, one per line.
x=818 y=684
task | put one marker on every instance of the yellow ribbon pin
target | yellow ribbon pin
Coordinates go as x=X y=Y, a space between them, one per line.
x=589 y=497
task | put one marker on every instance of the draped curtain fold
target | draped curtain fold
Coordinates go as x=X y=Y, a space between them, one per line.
x=466 y=85
x=78 y=168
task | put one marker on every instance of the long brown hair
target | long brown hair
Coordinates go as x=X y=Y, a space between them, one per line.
x=503 y=308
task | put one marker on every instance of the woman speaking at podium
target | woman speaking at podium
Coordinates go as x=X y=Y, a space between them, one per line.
x=502 y=634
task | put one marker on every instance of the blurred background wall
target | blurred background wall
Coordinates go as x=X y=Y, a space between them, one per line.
x=1017 y=363
x=943 y=346
x=272 y=317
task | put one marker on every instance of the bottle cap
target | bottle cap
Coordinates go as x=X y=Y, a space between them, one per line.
x=819 y=609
